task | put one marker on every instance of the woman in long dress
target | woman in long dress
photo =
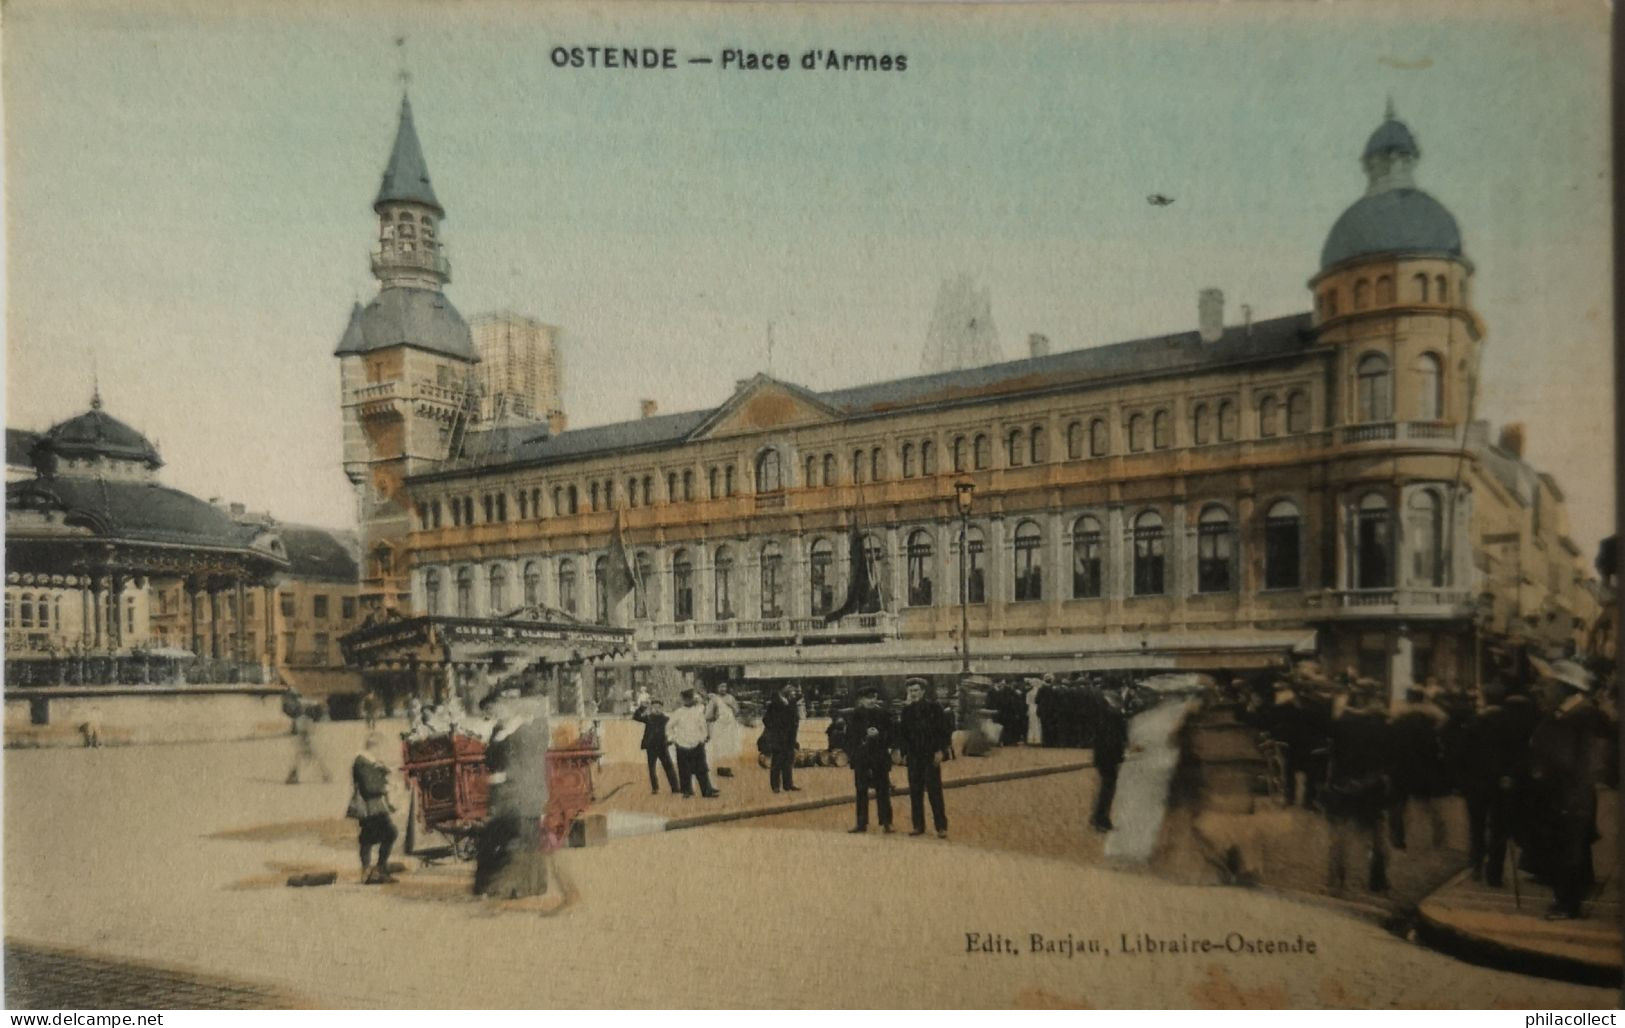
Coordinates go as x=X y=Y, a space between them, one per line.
x=722 y=749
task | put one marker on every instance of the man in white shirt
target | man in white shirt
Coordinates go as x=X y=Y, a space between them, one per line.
x=688 y=730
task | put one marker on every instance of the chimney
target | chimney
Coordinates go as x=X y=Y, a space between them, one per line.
x=1037 y=345
x=740 y=383
x=1512 y=439
x=1247 y=319
x=1210 y=314
x=238 y=509
x=647 y=408
x=556 y=422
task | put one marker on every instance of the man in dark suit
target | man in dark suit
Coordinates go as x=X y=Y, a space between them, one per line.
x=780 y=723
x=1563 y=753
x=868 y=750
x=1494 y=770
x=1357 y=786
x=655 y=744
x=924 y=735
x=1110 y=745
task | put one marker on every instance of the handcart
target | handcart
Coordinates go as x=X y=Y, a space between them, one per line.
x=450 y=790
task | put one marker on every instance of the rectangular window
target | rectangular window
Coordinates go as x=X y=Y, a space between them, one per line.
x=321 y=647
x=289 y=641
x=1213 y=558
x=347 y=608
x=1281 y=553
x=287 y=604
x=318 y=607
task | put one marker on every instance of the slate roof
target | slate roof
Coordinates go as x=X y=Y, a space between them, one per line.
x=95 y=433
x=317 y=553
x=406 y=177
x=1180 y=353
x=1397 y=221
x=136 y=511
x=409 y=316
x=1392 y=136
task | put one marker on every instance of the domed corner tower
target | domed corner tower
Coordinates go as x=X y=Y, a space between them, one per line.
x=405 y=370
x=1394 y=295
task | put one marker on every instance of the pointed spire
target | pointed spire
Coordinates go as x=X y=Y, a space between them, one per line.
x=406 y=179
x=354 y=339
x=1388 y=113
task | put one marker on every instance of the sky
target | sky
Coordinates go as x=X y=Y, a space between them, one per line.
x=189 y=189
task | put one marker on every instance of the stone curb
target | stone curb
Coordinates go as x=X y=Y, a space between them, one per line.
x=816 y=803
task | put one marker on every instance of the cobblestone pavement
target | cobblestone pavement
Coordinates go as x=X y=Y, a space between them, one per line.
x=47 y=979
x=176 y=856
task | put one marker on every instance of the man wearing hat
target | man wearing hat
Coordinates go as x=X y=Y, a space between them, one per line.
x=652 y=714
x=868 y=750
x=1563 y=753
x=781 y=723
x=1357 y=787
x=688 y=730
x=924 y=736
x=1110 y=742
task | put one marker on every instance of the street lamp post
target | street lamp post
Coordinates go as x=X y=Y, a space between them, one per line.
x=963 y=489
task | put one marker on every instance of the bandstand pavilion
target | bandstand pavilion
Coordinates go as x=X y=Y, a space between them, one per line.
x=88 y=534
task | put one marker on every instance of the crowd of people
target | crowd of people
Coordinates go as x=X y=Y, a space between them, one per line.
x=1526 y=751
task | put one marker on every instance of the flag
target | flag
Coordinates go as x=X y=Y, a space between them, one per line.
x=858 y=586
x=618 y=581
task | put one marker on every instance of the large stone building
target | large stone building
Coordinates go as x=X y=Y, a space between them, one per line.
x=1210 y=499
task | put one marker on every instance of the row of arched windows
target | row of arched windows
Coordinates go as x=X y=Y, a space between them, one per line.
x=1366 y=293
x=35 y=610
x=1374 y=388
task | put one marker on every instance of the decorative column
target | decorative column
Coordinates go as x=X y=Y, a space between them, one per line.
x=1055 y=577
x=237 y=623
x=214 y=620
x=270 y=628
x=1119 y=556
x=85 y=629
x=96 y=602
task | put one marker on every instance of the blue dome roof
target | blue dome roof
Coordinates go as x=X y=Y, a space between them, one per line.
x=1391 y=137
x=1396 y=221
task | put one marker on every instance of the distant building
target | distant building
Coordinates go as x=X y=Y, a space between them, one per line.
x=1215 y=499
x=519 y=371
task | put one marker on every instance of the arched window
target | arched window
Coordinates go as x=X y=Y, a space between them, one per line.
x=1421 y=282
x=877 y=464
x=713 y=482
x=1441 y=289
x=431 y=591
x=1029 y=563
x=1424 y=526
x=1268 y=409
x=821 y=577
x=975 y=581
x=1136 y=433
x=1282 y=532
x=645 y=598
x=1215 y=549
x=857 y=467
x=593 y=493
x=600 y=588
x=496 y=578
x=1161 y=436
x=810 y=478
x=648 y=491
x=672 y=494
x=908 y=460
x=1087 y=581
x=1201 y=425
x=682 y=586
x=1074 y=441
x=1385 y=289
x=26 y=611
x=567 y=585
x=1227 y=422
x=1429 y=388
x=632 y=492
x=1038 y=446
x=1373 y=543
x=772 y=581
x=1362 y=295
x=928 y=458
x=533 y=583
x=983 y=455
x=1099 y=442
x=829 y=469
x=465 y=592
x=574 y=501
x=959 y=453
x=728 y=488
x=1297 y=412
x=1374 y=390
x=1148 y=554
x=1330 y=297
x=768 y=479
x=1014 y=446
x=874 y=557
x=920 y=584
x=723 y=575
x=688 y=486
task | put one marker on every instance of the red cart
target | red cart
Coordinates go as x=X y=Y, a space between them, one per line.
x=450 y=788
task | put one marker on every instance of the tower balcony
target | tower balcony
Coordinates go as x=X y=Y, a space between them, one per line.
x=1446 y=603
x=396 y=259
x=1417 y=433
